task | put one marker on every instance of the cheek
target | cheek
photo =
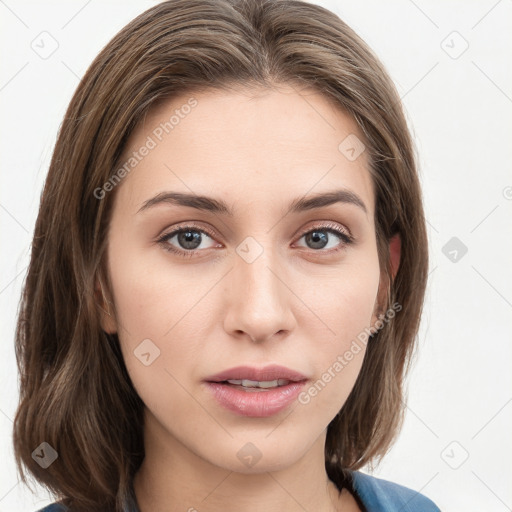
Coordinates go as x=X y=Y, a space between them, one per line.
x=344 y=308
x=157 y=310
x=344 y=299
x=141 y=298
x=151 y=307
x=151 y=295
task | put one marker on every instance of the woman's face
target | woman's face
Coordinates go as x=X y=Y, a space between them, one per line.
x=250 y=281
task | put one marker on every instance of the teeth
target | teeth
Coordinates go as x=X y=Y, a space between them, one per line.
x=259 y=384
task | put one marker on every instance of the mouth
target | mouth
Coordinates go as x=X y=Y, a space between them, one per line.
x=270 y=376
x=254 y=385
x=256 y=392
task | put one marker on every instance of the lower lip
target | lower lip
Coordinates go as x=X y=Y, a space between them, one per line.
x=258 y=404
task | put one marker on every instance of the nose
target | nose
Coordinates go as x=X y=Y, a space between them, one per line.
x=259 y=305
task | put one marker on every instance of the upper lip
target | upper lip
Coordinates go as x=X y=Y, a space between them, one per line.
x=267 y=373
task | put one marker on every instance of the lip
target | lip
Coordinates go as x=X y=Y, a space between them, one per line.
x=271 y=372
x=256 y=404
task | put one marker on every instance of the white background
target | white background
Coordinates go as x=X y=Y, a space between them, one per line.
x=460 y=393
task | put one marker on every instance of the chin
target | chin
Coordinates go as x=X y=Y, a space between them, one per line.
x=253 y=454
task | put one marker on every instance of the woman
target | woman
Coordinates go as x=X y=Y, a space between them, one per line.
x=228 y=270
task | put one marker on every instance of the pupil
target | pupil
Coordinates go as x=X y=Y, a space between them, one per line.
x=187 y=237
x=318 y=238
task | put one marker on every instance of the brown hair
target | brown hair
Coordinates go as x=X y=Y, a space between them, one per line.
x=75 y=392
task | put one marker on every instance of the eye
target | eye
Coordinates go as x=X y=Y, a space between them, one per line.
x=320 y=237
x=189 y=239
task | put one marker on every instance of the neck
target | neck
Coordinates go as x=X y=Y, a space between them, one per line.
x=173 y=477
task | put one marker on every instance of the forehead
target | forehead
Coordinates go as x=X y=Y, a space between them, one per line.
x=245 y=145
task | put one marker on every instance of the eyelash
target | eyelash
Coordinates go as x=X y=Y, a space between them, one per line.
x=330 y=228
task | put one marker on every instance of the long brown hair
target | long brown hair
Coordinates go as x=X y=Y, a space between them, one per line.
x=75 y=392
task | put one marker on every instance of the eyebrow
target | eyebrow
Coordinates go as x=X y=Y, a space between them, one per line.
x=217 y=206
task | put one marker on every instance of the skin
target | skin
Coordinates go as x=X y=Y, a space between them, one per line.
x=295 y=305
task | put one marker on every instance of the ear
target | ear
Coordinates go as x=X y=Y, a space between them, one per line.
x=107 y=320
x=395 y=246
